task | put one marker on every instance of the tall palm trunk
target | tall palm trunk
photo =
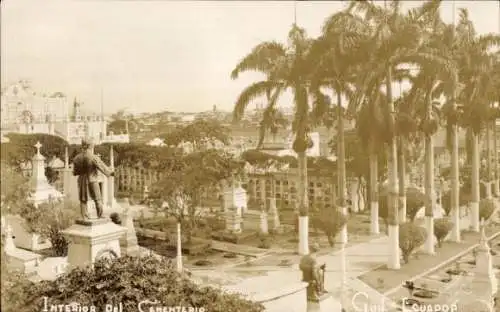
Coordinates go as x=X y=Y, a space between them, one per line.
x=341 y=168
x=489 y=160
x=455 y=186
x=303 y=204
x=430 y=191
x=374 y=224
x=474 y=204
x=496 y=160
x=402 y=179
x=393 y=226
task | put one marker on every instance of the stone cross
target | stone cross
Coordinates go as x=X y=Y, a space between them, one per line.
x=38 y=146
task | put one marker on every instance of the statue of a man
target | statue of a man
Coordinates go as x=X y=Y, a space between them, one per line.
x=86 y=165
x=313 y=273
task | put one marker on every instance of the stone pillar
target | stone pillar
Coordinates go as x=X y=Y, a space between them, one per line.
x=263 y=192
x=128 y=242
x=179 y=248
x=111 y=180
x=274 y=215
x=91 y=240
x=264 y=227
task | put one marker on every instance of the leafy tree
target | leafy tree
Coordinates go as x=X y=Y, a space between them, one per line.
x=415 y=200
x=442 y=227
x=411 y=236
x=125 y=280
x=201 y=133
x=15 y=193
x=22 y=147
x=179 y=191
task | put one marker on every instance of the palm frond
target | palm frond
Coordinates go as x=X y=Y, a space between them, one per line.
x=250 y=93
x=261 y=59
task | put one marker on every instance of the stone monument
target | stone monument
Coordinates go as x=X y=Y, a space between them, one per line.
x=234 y=195
x=318 y=299
x=274 y=217
x=128 y=242
x=41 y=190
x=91 y=238
x=233 y=220
x=484 y=284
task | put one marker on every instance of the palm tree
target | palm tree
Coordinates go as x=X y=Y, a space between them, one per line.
x=335 y=55
x=476 y=64
x=397 y=39
x=285 y=67
x=451 y=110
x=424 y=86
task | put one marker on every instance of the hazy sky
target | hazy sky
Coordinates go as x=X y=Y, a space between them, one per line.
x=158 y=55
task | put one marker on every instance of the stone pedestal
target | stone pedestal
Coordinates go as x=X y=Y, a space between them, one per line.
x=326 y=303
x=91 y=240
x=233 y=221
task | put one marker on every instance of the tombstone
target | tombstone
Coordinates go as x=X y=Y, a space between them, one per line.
x=41 y=190
x=23 y=238
x=19 y=259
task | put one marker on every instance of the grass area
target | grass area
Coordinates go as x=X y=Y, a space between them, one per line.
x=383 y=279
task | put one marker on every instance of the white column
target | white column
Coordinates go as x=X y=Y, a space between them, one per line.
x=179 y=248
x=111 y=179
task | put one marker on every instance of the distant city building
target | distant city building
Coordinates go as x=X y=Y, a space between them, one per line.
x=25 y=111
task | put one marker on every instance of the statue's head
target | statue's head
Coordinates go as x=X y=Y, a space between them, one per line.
x=88 y=143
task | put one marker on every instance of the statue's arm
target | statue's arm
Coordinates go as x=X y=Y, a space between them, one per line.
x=101 y=166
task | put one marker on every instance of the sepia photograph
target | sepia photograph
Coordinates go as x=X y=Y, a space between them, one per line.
x=250 y=156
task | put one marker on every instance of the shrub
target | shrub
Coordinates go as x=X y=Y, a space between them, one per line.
x=486 y=208
x=127 y=280
x=330 y=221
x=441 y=229
x=265 y=243
x=415 y=200
x=115 y=218
x=411 y=237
